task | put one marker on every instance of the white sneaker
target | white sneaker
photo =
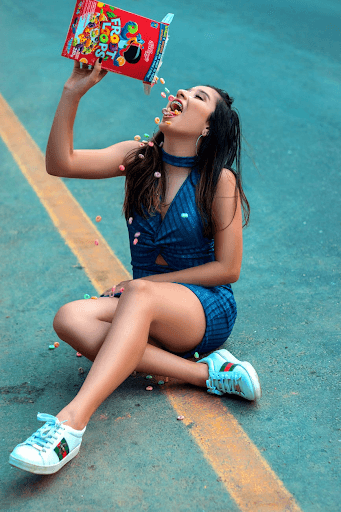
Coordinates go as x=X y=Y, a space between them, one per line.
x=49 y=448
x=229 y=375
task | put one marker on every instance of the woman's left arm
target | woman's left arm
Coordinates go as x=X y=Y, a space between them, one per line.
x=228 y=242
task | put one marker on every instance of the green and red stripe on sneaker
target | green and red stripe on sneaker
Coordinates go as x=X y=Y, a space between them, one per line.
x=227 y=367
x=62 y=449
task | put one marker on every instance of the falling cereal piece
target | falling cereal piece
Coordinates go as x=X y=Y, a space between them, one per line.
x=145 y=141
x=86 y=296
x=51 y=347
x=149 y=388
x=56 y=344
x=137 y=137
x=94 y=297
x=180 y=418
x=137 y=234
x=121 y=289
x=157 y=120
x=168 y=122
x=163 y=94
x=162 y=81
x=121 y=168
x=135 y=241
x=96 y=242
x=171 y=97
x=184 y=215
x=79 y=354
x=98 y=218
x=176 y=112
x=196 y=355
x=150 y=143
x=161 y=382
x=149 y=376
x=167 y=91
x=130 y=220
x=157 y=174
x=146 y=135
x=113 y=289
x=141 y=145
x=141 y=156
x=166 y=379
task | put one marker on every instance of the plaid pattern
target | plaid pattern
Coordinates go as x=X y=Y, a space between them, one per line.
x=179 y=238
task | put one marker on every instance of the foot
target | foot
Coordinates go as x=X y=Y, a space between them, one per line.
x=49 y=448
x=229 y=375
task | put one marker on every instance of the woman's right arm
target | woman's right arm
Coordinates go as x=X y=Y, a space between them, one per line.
x=61 y=159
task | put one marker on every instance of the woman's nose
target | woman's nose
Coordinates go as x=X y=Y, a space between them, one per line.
x=182 y=93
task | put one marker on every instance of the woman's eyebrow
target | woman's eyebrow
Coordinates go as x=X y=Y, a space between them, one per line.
x=199 y=90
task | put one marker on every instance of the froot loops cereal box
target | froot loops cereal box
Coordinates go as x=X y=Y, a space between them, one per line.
x=129 y=44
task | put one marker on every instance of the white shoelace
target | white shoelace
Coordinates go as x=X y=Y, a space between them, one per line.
x=45 y=435
x=228 y=382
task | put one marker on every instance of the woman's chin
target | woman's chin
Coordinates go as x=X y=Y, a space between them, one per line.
x=169 y=127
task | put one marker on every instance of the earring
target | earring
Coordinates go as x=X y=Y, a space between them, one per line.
x=196 y=145
x=204 y=133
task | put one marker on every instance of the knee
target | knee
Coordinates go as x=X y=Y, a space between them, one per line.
x=137 y=293
x=137 y=287
x=64 y=318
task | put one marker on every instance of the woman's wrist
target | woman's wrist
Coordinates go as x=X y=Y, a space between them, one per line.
x=71 y=93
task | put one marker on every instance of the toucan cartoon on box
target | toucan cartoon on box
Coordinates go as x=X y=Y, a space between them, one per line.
x=129 y=46
x=129 y=28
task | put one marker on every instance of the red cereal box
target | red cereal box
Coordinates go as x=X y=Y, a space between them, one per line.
x=129 y=44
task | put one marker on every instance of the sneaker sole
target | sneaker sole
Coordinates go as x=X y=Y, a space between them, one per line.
x=43 y=470
x=257 y=390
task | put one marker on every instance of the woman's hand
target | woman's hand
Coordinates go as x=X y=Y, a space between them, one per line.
x=82 y=79
x=116 y=289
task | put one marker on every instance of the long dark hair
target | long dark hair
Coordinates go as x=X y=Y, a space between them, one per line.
x=219 y=149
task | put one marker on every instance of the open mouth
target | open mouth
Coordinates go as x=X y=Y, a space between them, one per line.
x=175 y=108
x=176 y=105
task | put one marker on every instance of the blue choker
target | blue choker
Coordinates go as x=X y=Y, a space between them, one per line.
x=178 y=161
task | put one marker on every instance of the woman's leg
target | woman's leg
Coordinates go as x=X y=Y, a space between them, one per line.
x=84 y=325
x=168 y=312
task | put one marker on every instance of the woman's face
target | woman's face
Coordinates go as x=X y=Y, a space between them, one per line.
x=189 y=111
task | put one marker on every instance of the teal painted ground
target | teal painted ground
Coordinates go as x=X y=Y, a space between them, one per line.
x=280 y=61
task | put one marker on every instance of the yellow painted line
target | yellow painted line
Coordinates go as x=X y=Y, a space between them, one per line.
x=101 y=265
x=245 y=473
x=236 y=460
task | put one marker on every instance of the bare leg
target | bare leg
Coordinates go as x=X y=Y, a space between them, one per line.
x=81 y=327
x=125 y=349
x=155 y=360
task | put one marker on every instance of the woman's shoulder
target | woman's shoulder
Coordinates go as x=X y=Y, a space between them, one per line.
x=227 y=181
x=228 y=174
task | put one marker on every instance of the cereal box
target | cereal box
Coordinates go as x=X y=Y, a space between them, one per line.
x=129 y=44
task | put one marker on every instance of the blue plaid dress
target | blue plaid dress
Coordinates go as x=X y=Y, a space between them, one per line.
x=180 y=241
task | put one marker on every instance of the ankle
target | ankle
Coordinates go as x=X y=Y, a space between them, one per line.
x=72 y=419
x=201 y=374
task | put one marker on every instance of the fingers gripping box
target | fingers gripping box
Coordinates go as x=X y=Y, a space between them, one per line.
x=129 y=44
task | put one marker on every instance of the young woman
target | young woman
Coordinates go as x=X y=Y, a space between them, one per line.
x=183 y=206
